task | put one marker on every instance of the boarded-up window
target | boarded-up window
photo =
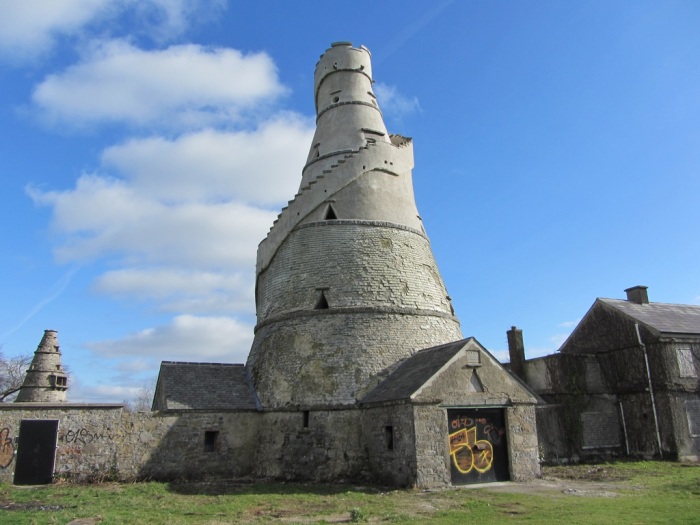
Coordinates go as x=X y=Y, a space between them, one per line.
x=594 y=378
x=686 y=362
x=473 y=357
x=600 y=430
x=692 y=410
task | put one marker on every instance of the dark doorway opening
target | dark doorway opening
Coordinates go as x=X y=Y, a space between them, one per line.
x=36 y=452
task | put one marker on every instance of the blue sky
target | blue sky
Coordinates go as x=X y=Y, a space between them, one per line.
x=147 y=145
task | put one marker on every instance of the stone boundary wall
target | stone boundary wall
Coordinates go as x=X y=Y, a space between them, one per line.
x=100 y=442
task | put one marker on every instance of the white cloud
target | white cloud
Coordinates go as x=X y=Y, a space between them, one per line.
x=183 y=290
x=262 y=165
x=105 y=217
x=175 y=229
x=393 y=103
x=181 y=86
x=28 y=28
x=31 y=28
x=188 y=337
x=102 y=393
x=569 y=324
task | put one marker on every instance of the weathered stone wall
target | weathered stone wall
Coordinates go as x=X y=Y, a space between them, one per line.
x=337 y=356
x=329 y=449
x=432 y=446
x=604 y=407
x=685 y=416
x=359 y=264
x=389 y=438
x=523 y=451
x=105 y=442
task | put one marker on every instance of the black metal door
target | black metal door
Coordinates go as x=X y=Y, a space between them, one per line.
x=478 y=445
x=36 y=451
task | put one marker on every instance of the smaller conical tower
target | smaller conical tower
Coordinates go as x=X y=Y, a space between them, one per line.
x=46 y=381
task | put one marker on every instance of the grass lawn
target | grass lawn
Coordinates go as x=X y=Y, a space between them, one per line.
x=613 y=493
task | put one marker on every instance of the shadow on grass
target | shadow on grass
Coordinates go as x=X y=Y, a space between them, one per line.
x=230 y=487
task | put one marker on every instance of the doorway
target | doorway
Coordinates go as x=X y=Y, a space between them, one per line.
x=36 y=451
x=478 y=445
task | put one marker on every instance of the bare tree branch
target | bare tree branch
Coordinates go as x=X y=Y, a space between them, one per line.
x=12 y=371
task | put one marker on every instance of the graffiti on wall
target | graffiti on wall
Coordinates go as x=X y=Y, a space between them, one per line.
x=7 y=448
x=85 y=436
x=477 y=445
x=470 y=453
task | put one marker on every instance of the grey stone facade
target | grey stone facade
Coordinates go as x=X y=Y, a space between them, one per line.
x=625 y=383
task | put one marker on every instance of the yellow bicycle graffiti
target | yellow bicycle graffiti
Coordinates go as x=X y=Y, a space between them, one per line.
x=469 y=453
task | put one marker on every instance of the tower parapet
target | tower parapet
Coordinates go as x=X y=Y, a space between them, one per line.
x=346 y=282
x=46 y=380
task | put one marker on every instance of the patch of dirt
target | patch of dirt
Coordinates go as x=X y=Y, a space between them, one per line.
x=30 y=506
x=570 y=480
x=583 y=472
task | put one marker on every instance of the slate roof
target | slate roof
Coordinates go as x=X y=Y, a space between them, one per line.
x=410 y=375
x=205 y=386
x=666 y=318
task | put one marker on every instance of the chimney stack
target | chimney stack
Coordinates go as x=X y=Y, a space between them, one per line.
x=637 y=294
x=516 y=349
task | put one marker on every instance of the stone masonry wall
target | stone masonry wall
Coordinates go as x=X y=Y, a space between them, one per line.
x=327 y=449
x=365 y=265
x=106 y=442
x=335 y=357
x=389 y=438
x=432 y=446
x=523 y=450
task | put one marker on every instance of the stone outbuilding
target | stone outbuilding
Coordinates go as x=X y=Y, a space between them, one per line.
x=451 y=415
x=625 y=383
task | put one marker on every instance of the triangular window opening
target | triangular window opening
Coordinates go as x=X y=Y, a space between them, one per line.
x=322 y=303
x=330 y=214
x=474 y=383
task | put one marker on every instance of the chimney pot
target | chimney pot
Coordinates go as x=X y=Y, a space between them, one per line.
x=516 y=349
x=637 y=294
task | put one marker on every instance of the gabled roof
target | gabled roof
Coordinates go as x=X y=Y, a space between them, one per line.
x=204 y=386
x=413 y=373
x=666 y=318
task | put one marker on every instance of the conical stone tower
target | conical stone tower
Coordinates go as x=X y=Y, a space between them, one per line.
x=346 y=282
x=46 y=381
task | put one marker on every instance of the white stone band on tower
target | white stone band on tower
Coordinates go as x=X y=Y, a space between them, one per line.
x=346 y=282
